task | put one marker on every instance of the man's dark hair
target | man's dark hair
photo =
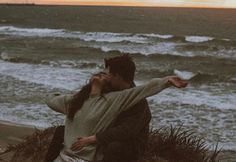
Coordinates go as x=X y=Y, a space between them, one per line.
x=121 y=65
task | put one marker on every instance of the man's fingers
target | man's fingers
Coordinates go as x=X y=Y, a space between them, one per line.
x=76 y=147
x=185 y=84
x=73 y=146
x=182 y=85
x=76 y=144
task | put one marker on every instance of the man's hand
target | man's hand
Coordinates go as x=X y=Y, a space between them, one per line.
x=82 y=142
x=177 y=82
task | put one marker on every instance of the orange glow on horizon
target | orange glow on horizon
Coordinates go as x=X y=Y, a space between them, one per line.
x=147 y=3
x=92 y=3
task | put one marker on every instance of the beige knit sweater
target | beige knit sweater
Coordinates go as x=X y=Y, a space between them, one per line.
x=97 y=113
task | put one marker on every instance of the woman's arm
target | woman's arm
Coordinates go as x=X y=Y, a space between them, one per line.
x=124 y=99
x=127 y=98
x=58 y=102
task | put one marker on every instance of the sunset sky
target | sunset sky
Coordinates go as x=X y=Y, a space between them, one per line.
x=170 y=3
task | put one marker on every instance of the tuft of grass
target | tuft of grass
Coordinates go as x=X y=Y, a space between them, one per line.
x=168 y=144
x=176 y=144
x=32 y=149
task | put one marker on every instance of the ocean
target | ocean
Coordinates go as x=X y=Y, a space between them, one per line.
x=39 y=57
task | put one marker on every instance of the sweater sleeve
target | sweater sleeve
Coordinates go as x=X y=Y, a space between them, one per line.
x=131 y=125
x=58 y=102
x=129 y=97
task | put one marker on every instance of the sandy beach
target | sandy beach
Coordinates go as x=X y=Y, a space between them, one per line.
x=12 y=133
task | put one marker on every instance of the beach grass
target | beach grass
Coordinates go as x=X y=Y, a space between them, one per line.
x=169 y=144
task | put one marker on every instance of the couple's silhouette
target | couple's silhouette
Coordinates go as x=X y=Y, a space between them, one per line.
x=108 y=119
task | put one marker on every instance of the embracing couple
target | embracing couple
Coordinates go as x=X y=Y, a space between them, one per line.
x=108 y=119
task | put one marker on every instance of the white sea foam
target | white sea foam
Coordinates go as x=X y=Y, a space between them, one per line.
x=28 y=30
x=55 y=77
x=198 y=39
x=157 y=36
x=92 y=36
x=40 y=32
x=70 y=78
x=111 y=37
x=123 y=42
x=197 y=97
x=62 y=33
x=185 y=75
x=157 y=48
x=210 y=114
x=200 y=96
x=38 y=115
x=5 y=56
x=226 y=40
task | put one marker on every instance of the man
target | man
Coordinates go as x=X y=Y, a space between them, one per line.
x=126 y=138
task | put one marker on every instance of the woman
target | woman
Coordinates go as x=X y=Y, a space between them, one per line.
x=93 y=109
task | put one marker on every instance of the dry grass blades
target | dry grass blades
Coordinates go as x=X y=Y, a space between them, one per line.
x=165 y=145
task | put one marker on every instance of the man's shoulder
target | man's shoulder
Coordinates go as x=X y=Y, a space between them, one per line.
x=141 y=107
x=142 y=104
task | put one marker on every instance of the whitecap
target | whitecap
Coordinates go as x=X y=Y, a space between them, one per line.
x=185 y=75
x=62 y=33
x=111 y=37
x=157 y=48
x=54 y=77
x=40 y=32
x=38 y=115
x=157 y=36
x=198 y=39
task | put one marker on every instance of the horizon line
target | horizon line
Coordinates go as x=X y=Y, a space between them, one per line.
x=116 y=5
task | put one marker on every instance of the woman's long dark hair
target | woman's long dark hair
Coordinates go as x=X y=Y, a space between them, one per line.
x=78 y=100
x=80 y=97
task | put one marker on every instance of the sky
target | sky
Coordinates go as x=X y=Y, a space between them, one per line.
x=169 y=3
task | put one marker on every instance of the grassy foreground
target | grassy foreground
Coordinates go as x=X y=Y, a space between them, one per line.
x=164 y=145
